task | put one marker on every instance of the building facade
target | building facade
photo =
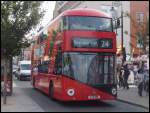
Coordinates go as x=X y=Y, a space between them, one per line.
x=140 y=15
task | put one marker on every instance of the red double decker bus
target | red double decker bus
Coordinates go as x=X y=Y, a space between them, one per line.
x=74 y=56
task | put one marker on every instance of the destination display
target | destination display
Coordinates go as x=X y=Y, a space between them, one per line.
x=92 y=43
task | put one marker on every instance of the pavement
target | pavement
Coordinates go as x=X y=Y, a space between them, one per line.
x=131 y=96
x=20 y=101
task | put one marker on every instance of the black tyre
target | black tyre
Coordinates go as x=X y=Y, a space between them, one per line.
x=33 y=82
x=51 y=91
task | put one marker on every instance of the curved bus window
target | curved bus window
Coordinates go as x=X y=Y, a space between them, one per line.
x=58 y=62
x=65 y=23
x=43 y=67
x=88 y=23
x=90 y=68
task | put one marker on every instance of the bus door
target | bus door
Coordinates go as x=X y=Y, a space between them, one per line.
x=58 y=72
x=43 y=75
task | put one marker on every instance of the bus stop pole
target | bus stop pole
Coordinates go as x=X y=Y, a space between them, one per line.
x=122 y=34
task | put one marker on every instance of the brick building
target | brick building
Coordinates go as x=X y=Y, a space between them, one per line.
x=139 y=11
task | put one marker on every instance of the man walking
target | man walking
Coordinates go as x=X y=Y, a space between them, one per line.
x=126 y=76
x=121 y=82
x=140 y=77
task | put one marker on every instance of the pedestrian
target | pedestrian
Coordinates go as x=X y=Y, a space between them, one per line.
x=140 y=77
x=118 y=71
x=146 y=81
x=126 y=76
x=135 y=70
x=146 y=84
x=121 y=82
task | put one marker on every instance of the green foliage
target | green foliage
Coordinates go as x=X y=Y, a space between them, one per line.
x=17 y=19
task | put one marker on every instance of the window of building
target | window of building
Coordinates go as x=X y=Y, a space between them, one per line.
x=140 y=17
x=139 y=41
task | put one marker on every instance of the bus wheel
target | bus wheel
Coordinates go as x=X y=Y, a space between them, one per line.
x=51 y=91
x=33 y=82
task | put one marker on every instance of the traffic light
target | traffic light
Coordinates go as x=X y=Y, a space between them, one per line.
x=118 y=22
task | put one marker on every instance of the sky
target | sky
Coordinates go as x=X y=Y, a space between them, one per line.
x=48 y=6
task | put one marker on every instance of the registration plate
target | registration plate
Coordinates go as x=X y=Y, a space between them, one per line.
x=93 y=97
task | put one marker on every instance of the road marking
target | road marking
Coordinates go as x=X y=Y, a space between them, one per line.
x=14 y=84
x=132 y=86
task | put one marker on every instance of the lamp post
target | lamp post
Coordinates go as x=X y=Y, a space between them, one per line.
x=114 y=16
x=122 y=48
x=117 y=4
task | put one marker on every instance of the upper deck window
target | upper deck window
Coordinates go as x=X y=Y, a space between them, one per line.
x=88 y=23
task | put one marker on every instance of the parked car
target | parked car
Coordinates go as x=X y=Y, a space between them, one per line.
x=24 y=70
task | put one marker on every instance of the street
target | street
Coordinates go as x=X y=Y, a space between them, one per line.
x=49 y=105
x=75 y=51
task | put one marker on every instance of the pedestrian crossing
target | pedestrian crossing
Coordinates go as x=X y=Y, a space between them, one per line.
x=133 y=86
x=15 y=85
x=130 y=86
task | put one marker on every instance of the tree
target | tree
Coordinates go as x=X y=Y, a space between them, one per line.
x=142 y=33
x=17 y=19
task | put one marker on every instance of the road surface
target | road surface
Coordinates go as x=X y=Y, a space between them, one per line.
x=49 y=105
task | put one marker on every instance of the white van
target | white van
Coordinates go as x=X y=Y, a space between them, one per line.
x=24 y=70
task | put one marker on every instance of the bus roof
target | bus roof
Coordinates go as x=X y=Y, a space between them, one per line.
x=85 y=12
x=78 y=12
